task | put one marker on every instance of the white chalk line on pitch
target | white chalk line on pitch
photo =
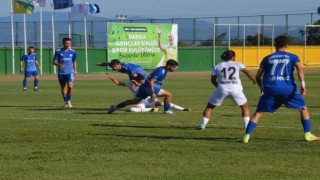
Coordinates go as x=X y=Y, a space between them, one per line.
x=175 y=123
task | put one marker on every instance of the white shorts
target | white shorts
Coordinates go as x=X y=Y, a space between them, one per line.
x=128 y=85
x=218 y=97
x=146 y=104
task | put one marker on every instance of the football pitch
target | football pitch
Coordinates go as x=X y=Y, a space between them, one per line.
x=40 y=139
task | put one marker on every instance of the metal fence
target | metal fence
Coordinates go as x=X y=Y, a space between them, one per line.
x=192 y=31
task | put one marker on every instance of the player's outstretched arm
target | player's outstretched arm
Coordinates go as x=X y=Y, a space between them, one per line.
x=103 y=64
x=116 y=82
x=249 y=75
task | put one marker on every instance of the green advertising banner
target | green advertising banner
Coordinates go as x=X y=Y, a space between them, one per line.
x=149 y=45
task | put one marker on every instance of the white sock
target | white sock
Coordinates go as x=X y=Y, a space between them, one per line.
x=245 y=122
x=204 y=121
x=176 y=107
x=134 y=109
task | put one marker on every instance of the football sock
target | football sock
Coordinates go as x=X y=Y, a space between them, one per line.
x=65 y=97
x=306 y=125
x=121 y=105
x=246 y=121
x=166 y=107
x=250 y=127
x=176 y=106
x=69 y=97
x=25 y=82
x=35 y=83
x=204 y=121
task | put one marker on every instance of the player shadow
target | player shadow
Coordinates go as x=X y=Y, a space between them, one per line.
x=232 y=139
x=142 y=127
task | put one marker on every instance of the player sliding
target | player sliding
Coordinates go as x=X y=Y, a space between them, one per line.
x=144 y=105
x=132 y=70
x=152 y=88
x=279 y=87
x=226 y=78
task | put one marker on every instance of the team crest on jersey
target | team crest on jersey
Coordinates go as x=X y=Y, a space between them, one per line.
x=71 y=55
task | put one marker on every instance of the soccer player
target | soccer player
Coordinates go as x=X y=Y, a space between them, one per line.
x=144 y=105
x=226 y=78
x=170 y=50
x=279 y=87
x=128 y=68
x=152 y=88
x=66 y=60
x=30 y=61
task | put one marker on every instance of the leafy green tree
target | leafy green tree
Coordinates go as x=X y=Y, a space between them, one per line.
x=312 y=33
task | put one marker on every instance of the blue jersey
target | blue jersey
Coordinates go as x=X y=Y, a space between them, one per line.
x=66 y=58
x=278 y=77
x=29 y=61
x=159 y=74
x=131 y=69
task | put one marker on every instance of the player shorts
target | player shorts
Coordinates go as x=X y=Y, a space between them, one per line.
x=128 y=85
x=65 y=78
x=219 y=96
x=270 y=103
x=31 y=73
x=145 y=91
x=145 y=103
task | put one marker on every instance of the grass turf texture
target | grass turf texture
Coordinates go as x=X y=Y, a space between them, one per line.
x=41 y=139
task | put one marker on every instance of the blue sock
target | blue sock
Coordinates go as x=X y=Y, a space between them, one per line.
x=121 y=105
x=65 y=97
x=68 y=97
x=36 y=82
x=250 y=127
x=25 y=82
x=306 y=125
x=166 y=107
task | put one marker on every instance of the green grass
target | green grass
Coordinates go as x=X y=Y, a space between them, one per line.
x=41 y=140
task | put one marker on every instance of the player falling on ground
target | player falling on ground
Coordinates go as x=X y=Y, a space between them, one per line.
x=66 y=60
x=152 y=88
x=226 y=78
x=30 y=69
x=144 y=105
x=279 y=87
x=132 y=70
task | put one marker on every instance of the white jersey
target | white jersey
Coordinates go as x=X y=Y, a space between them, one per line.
x=228 y=73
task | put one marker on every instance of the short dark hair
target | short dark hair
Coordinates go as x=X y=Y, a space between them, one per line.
x=114 y=62
x=281 y=41
x=66 y=39
x=31 y=47
x=172 y=62
x=227 y=55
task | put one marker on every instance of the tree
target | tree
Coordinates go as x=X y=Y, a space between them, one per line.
x=312 y=33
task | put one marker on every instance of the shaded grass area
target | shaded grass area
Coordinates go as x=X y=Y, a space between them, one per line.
x=41 y=139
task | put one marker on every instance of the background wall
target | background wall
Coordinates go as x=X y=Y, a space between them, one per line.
x=190 y=59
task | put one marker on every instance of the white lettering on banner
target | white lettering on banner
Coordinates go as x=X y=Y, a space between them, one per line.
x=137 y=36
x=123 y=50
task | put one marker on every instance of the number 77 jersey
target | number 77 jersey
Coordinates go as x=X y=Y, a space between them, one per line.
x=278 y=76
x=228 y=74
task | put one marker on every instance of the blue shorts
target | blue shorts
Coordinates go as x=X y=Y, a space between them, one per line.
x=270 y=103
x=145 y=91
x=65 y=78
x=31 y=73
